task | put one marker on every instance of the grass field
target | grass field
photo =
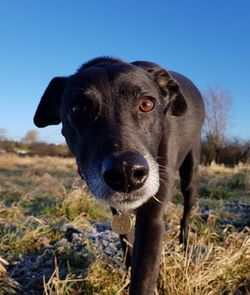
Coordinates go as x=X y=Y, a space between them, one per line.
x=45 y=211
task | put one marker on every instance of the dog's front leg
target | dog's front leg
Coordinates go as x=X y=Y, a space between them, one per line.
x=147 y=248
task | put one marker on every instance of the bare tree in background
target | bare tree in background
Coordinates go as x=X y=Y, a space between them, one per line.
x=218 y=103
x=3 y=134
x=31 y=136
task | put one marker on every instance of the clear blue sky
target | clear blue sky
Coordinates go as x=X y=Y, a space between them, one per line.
x=209 y=41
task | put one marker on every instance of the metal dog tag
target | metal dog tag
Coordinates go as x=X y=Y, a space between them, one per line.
x=121 y=224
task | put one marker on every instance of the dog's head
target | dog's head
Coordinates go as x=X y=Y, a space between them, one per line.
x=112 y=116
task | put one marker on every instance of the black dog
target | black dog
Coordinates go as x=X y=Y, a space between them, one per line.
x=131 y=127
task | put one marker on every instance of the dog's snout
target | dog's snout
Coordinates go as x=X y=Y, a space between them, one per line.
x=125 y=172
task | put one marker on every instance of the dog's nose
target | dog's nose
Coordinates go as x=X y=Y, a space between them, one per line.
x=125 y=172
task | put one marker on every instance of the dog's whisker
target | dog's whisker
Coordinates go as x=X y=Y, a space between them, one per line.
x=163 y=170
x=161 y=158
x=163 y=174
x=154 y=197
x=166 y=184
x=162 y=166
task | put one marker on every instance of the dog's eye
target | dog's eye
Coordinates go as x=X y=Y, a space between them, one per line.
x=78 y=109
x=147 y=104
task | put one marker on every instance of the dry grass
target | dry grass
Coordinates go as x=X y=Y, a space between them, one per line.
x=37 y=199
x=216 y=262
x=221 y=171
x=12 y=161
x=206 y=270
x=215 y=168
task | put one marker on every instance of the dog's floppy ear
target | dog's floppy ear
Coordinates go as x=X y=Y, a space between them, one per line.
x=168 y=87
x=48 y=110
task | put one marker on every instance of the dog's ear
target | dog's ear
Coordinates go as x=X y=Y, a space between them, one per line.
x=48 y=110
x=168 y=87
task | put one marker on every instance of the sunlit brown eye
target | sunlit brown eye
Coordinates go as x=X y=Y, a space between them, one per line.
x=146 y=105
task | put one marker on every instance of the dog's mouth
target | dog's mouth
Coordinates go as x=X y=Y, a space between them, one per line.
x=126 y=202
x=120 y=195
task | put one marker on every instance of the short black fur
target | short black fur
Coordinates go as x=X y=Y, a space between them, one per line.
x=127 y=155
